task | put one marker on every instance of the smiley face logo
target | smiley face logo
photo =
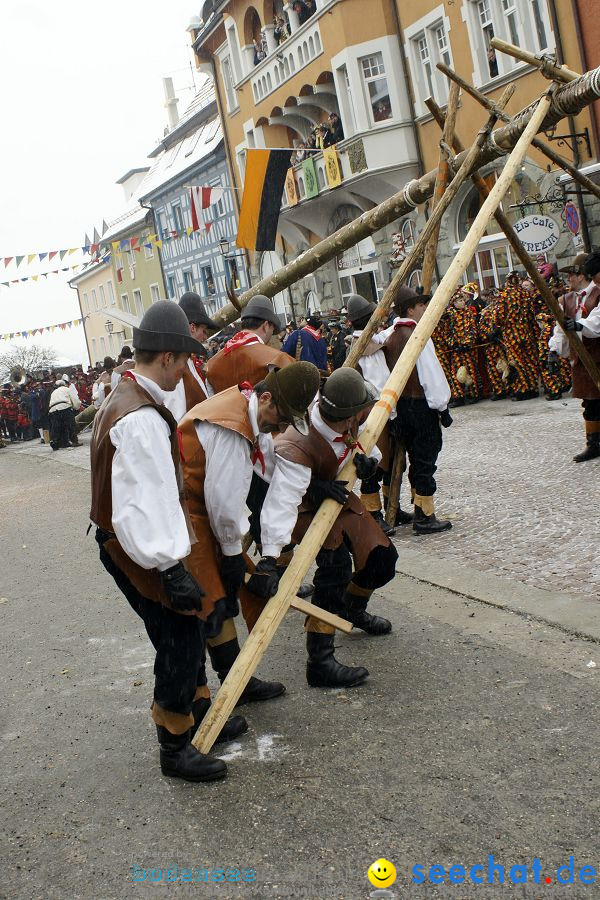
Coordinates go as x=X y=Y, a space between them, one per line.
x=381 y=873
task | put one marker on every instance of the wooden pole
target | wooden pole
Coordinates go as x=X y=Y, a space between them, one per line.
x=569 y=99
x=385 y=304
x=551 y=154
x=276 y=608
x=577 y=346
x=441 y=183
x=393 y=501
x=547 y=68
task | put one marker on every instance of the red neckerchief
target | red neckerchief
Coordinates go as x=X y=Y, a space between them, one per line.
x=351 y=444
x=581 y=307
x=316 y=334
x=197 y=363
x=129 y=376
x=404 y=323
x=257 y=454
x=241 y=339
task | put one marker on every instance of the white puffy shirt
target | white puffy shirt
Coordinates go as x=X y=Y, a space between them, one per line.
x=147 y=516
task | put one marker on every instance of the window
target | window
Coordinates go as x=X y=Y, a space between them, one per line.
x=111 y=293
x=102 y=295
x=125 y=303
x=208 y=280
x=171 y=287
x=228 y=83
x=177 y=218
x=130 y=259
x=137 y=302
x=154 y=293
x=188 y=280
x=373 y=72
x=427 y=45
x=148 y=248
x=232 y=275
x=95 y=300
x=94 y=351
x=86 y=304
x=521 y=22
x=161 y=225
x=103 y=346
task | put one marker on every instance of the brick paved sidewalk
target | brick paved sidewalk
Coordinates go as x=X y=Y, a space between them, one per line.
x=519 y=504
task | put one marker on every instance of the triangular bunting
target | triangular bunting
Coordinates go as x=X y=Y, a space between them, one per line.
x=19 y=260
x=62 y=254
x=52 y=254
x=30 y=258
x=137 y=249
x=42 y=256
x=8 y=259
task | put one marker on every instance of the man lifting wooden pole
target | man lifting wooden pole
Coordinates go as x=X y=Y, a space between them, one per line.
x=276 y=608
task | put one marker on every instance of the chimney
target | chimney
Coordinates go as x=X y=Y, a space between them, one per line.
x=171 y=102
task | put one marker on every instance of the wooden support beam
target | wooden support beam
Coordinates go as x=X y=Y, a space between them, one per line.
x=384 y=306
x=551 y=302
x=548 y=152
x=547 y=68
x=309 y=609
x=441 y=183
x=276 y=608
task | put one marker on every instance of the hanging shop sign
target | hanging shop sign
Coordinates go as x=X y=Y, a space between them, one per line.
x=538 y=234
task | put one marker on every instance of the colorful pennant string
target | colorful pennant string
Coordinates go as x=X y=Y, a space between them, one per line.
x=30 y=332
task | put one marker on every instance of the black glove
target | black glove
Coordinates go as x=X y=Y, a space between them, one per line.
x=232 y=571
x=445 y=418
x=553 y=363
x=265 y=581
x=327 y=490
x=571 y=325
x=181 y=588
x=365 y=466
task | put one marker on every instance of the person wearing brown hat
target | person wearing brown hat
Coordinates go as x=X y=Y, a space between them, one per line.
x=247 y=356
x=421 y=412
x=305 y=474
x=145 y=535
x=220 y=441
x=582 y=317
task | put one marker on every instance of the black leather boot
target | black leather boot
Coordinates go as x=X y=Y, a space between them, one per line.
x=323 y=669
x=388 y=530
x=592 y=451
x=423 y=524
x=233 y=727
x=223 y=657
x=180 y=759
x=403 y=517
x=356 y=612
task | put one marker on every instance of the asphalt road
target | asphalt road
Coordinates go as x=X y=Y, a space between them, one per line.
x=476 y=735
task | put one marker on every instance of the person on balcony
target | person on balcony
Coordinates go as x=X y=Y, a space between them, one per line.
x=260 y=51
x=281 y=31
x=335 y=132
x=302 y=10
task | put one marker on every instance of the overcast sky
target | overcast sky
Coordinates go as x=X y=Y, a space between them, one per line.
x=81 y=103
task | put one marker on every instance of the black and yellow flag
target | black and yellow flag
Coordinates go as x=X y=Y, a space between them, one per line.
x=261 y=201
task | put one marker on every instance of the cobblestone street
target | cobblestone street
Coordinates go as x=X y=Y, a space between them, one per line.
x=520 y=506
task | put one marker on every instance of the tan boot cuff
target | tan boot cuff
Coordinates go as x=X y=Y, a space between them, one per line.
x=426 y=504
x=227 y=633
x=371 y=502
x=202 y=692
x=592 y=427
x=318 y=627
x=176 y=723
x=284 y=559
x=355 y=591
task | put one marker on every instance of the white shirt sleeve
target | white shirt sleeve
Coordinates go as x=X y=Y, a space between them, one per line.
x=98 y=394
x=432 y=378
x=147 y=516
x=115 y=378
x=75 y=401
x=226 y=484
x=280 y=508
x=558 y=342
x=591 y=324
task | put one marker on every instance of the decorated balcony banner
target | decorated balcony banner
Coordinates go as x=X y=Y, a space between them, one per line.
x=311 y=185
x=333 y=169
x=291 y=188
x=266 y=172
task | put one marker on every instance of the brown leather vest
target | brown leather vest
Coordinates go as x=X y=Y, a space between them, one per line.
x=127 y=397
x=248 y=362
x=583 y=386
x=229 y=409
x=392 y=349
x=193 y=392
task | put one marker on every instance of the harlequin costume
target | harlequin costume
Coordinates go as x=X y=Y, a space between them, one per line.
x=493 y=350
x=461 y=337
x=516 y=320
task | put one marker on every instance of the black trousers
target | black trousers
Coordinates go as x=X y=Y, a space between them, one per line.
x=179 y=642
x=334 y=573
x=591 y=410
x=418 y=429
x=60 y=422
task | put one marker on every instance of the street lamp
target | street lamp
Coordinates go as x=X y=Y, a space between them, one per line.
x=225 y=251
x=109 y=326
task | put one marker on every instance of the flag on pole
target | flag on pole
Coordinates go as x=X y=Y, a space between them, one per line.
x=261 y=201
x=211 y=195
x=196 y=206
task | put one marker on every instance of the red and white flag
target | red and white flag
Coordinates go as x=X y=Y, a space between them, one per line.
x=211 y=195
x=196 y=207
